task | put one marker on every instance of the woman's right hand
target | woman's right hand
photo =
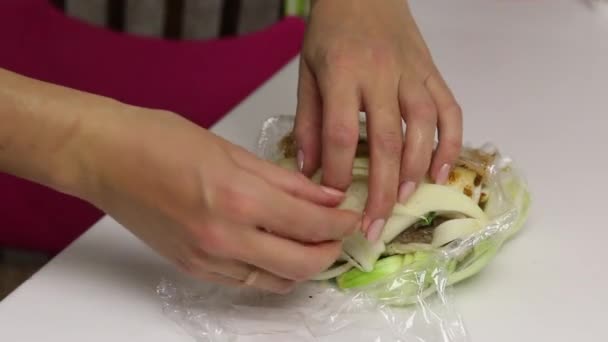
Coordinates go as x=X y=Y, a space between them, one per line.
x=211 y=207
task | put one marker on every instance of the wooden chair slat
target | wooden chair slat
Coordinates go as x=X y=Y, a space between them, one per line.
x=116 y=15
x=230 y=17
x=174 y=17
x=59 y=4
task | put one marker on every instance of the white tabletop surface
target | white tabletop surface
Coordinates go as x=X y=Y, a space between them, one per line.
x=532 y=76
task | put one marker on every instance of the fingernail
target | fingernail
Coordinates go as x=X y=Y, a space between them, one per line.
x=375 y=229
x=300 y=159
x=406 y=189
x=444 y=173
x=332 y=191
x=365 y=223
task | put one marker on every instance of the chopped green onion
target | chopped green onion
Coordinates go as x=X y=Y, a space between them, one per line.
x=383 y=268
x=427 y=220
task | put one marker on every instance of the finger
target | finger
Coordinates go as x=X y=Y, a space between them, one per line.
x=385 y=136
x=420 y=116
x=304 y=221
x=252 y=201
x=340 y=128
x=449 y=125
x=187 y=265
x=240 y=272
x=216 y=278
x=294 y=183
x=307 y=127
x=223 y=280
x=286 y=258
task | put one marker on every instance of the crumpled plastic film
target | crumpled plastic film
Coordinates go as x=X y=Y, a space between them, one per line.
x=315 y=311
x=412 y=304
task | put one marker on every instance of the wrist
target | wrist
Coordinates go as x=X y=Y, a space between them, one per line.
x=76 y=168
x=46 y=130
x=104 y=141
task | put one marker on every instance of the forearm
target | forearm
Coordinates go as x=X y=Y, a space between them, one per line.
x=41 y=131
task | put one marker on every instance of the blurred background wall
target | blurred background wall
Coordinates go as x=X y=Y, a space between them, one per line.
x=183 y=19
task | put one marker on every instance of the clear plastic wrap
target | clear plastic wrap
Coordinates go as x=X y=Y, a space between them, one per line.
x=413 y=303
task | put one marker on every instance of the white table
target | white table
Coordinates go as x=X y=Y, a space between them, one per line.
x=532 y=76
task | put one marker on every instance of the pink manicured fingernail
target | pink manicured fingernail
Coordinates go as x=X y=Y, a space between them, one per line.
x=300 y=159
x=406 y=189
x=375 y=229
x=332 y=191
x=444 y=173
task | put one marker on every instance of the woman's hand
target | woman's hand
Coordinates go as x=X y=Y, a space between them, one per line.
x=211 y=207
x=369 y=56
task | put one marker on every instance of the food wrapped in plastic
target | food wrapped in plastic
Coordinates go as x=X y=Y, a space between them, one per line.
x=396 y=289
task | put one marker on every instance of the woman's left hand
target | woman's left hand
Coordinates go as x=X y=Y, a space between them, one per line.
x=362 y=55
